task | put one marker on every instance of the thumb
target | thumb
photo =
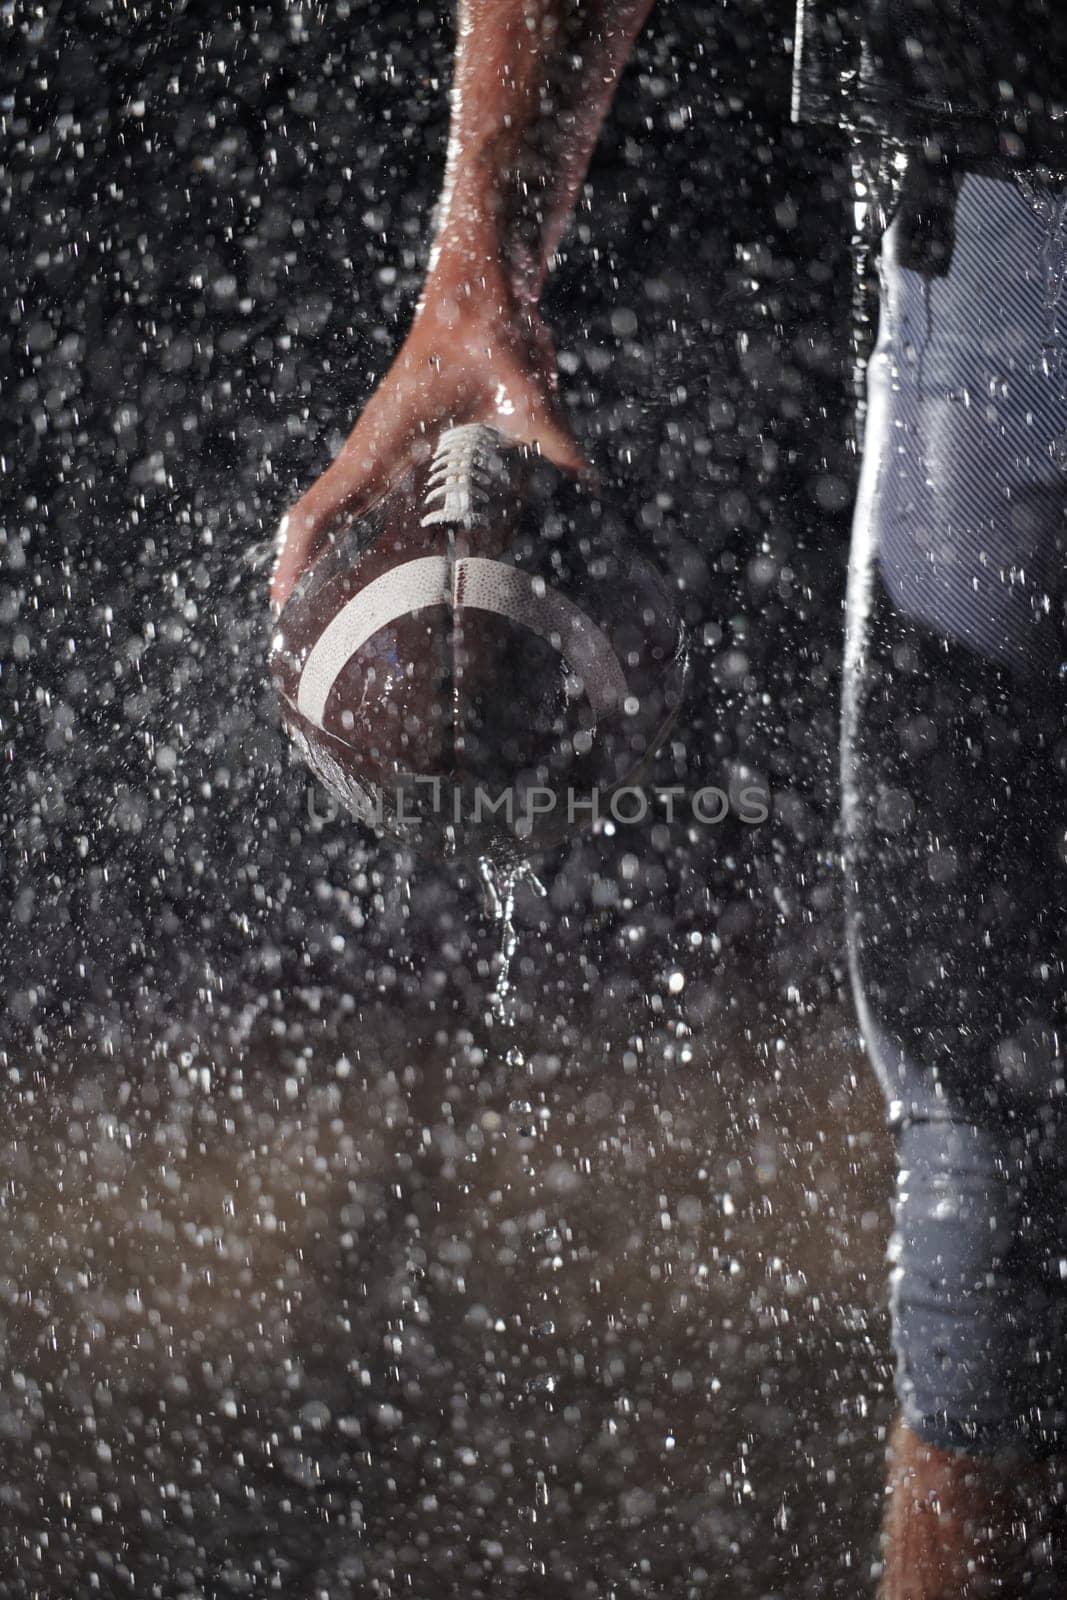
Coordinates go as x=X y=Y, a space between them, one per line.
x=539 y=425
x=352 y=480
x=559 y=446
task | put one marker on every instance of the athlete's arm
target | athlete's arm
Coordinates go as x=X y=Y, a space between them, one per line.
x=532 y=81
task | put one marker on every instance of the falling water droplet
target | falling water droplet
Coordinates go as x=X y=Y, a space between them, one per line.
x=499 y=886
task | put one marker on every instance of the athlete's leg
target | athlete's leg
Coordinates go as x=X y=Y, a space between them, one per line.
x=959 y=1526
x=953 y=766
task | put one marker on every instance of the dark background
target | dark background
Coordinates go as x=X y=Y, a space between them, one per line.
x=214 y=228
x=213 y=239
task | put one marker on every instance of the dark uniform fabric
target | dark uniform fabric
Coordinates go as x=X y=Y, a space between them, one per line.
x=955 y=782
x=980 y=78
x=955 y=710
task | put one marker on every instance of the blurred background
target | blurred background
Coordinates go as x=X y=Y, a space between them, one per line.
x=317 y=1276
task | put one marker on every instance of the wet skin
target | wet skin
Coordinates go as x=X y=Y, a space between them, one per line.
x=532 y=84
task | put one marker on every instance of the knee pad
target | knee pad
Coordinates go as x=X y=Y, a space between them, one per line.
x=979 y=1288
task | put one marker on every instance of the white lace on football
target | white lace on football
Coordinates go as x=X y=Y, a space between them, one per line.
x=459 y=476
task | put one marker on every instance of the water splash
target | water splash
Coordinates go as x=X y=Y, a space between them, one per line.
x=1045 y=192
x=499 y=886
x=877 y=171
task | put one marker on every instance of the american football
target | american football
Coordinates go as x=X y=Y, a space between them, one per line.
x=474 y=664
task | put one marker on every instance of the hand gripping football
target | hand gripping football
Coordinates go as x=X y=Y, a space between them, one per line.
x=480 y=659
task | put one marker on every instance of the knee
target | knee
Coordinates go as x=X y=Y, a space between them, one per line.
x=978 y=1325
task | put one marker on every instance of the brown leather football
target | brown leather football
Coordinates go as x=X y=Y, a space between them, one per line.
x=477 y=661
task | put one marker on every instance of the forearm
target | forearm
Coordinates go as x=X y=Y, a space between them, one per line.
x=533 y=80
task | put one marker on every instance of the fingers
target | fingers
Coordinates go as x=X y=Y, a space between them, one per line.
x=511 y=388
x=557 y=444
x=295 y=545
x=369 y=457
x=355 y=479
x=303 y=532
x=523 y=405
x=539 y=417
